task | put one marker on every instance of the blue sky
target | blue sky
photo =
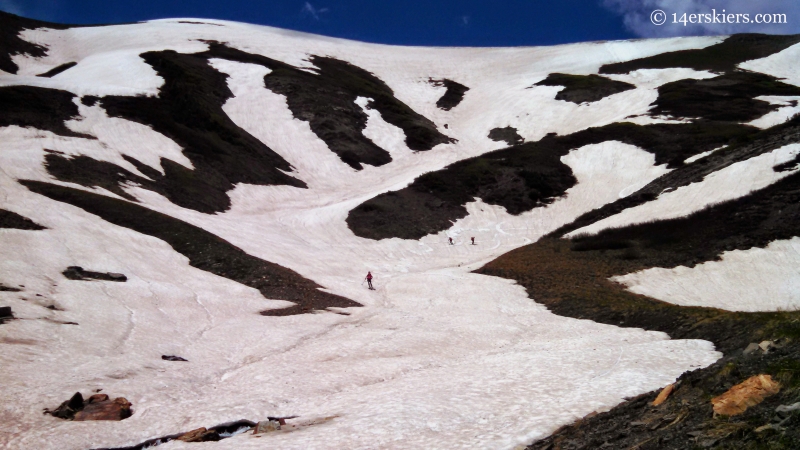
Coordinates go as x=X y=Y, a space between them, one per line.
x=431 y=22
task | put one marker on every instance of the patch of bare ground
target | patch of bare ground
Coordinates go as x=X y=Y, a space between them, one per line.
x=12 y=44
x=10 y=219
x=452 y=96
x=584 y=88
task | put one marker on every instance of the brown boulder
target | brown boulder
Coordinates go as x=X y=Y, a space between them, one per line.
x=117 y=409
x=748 y=393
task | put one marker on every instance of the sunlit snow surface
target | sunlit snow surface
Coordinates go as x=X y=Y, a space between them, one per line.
x=438 y=357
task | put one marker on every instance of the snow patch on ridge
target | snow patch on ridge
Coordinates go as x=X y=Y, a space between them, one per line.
x=732 y=182
x=790 y=109
x=782 y=65
x=758 y=279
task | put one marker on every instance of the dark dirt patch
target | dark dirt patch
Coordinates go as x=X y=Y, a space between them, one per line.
x=205 y=251
x=508 y=134
x=57 y=70
x=453 y=96
x=78 y=274
x=729 y=97
x=521 y=178
x=4 y=288
x=182 y=186
x=11 y=44
x=37 y=107
x=722 y=57
x=741 y=148
x=10 y=219
x=189 y=111
x=584 y=88
x=173 y=358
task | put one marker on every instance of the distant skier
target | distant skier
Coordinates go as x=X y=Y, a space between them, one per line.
x=473 y=240
x=369 y=281
x=450 y=240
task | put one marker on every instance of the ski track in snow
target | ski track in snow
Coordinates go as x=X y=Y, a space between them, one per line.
x=438 y=357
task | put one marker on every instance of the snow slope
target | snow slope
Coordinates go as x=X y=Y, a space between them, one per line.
x=438 y=357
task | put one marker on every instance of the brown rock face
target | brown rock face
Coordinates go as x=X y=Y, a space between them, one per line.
x=117 y=409
x=749 y=393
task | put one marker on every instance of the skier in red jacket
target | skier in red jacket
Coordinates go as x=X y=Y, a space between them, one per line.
x=369 y=281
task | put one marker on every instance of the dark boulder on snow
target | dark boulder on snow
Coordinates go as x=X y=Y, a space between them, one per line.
x=77 y=273
x=5 y=313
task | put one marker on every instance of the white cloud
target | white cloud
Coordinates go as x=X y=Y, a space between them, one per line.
x=311 y=10
x=636 y=16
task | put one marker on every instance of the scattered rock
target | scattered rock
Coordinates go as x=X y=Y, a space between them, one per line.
x=97 y=407
x=662 y=397
x=765 y=346
x=749 y=393
x=199 y=435
x=4 y=288
x=5 y=313
x=786 y=410
x=67 y=409
x=172 y=358
x=202 y=434
x=267 y=426
x=751 y=348
x=77 y=273
x=117 y=409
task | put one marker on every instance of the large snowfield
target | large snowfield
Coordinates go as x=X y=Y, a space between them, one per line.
x=438 y=357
